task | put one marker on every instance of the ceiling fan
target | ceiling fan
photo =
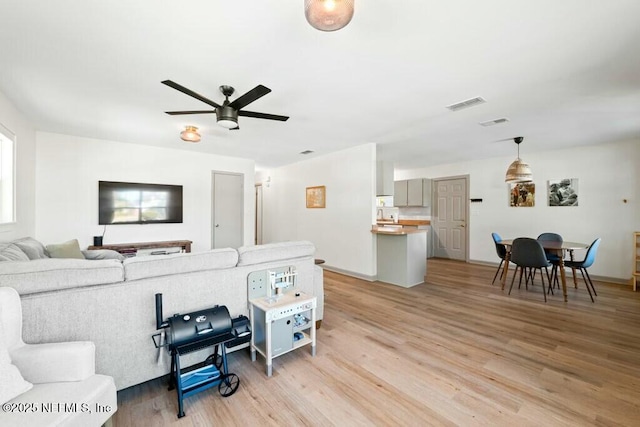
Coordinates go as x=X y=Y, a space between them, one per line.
x=227 y=113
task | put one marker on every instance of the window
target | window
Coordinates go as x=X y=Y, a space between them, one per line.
x=7 y=176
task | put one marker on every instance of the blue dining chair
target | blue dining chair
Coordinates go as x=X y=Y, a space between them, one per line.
x=527 y=253
x=552 y=257
x=588 y=261
x=501 y=250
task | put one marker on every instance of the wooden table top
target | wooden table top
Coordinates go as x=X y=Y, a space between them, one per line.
x=546 y=244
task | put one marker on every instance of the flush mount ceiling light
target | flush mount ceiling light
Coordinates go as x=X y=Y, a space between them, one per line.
x=190 y=134
x=518 y=171
x=328 y=15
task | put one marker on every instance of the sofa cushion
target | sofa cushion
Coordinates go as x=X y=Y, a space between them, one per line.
x=82 y=399
x=12 y=383
x=70 y=249
x=42 y=275
x=142 y=267
x=11 y=252
x=31 y=247
x=249 y=255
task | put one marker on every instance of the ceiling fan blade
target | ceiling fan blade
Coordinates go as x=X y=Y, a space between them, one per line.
x=246 y=99
x=189 y=92
x=235 y=128
x=262 y=115
x=178 y=113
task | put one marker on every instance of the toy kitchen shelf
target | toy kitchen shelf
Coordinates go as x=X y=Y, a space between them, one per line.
x=282 y=324
x=282 y=318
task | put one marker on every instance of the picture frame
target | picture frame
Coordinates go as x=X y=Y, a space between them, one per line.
x=316 y=197
x=522 y=195
x=562 y=192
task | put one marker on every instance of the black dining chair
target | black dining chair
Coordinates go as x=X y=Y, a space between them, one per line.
x=527 y=253
x=552 y=257
x=588 y=261
x=501 y=250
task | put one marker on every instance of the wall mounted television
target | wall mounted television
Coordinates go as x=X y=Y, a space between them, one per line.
x=137 y=203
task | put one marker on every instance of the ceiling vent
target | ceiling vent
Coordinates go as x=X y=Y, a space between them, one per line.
x=466 y=104
x=305 y=152
x=494 y=122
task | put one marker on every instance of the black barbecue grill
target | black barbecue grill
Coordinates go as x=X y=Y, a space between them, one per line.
x=194 y=331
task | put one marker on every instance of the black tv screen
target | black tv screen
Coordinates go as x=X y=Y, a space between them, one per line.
x=136 y=203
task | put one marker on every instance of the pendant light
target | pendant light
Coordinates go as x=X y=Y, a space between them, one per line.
x=518 y=171
x=190 y=134
x=328 y=15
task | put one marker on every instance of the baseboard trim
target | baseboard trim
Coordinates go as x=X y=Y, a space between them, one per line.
x=350 y=273
x=615 y=280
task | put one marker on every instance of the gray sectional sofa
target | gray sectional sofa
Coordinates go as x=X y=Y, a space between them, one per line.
x=111 y=301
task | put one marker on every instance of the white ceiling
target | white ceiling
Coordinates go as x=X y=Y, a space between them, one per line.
x=564 y=72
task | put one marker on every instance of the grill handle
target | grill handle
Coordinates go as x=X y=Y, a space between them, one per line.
x=158 y=344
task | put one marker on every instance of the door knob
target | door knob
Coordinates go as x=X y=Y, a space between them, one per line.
x=462 y=225
x=217 y=225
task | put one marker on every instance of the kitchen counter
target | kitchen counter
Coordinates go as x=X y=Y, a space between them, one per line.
x=398 y=231
x=404 y=222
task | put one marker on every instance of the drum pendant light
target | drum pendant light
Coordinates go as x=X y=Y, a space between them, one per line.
x=518 y=171
x=328 y=15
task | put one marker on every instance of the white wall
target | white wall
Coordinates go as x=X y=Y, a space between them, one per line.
x=69 y=168
x=13 y=120
x=341 y=231
x=607 y=174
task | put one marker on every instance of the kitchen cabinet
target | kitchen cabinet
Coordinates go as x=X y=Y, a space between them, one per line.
x=412 y=192
x=384 y=179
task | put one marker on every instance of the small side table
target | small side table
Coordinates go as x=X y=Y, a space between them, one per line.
x=282 y=324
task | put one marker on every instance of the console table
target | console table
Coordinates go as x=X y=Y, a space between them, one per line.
x=132 y=248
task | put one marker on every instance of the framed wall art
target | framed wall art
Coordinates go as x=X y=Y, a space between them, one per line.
x=316 y=197
x=563 y=192
x=522 y=195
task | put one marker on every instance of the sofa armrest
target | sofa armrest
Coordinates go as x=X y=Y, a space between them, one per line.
x=55 y=362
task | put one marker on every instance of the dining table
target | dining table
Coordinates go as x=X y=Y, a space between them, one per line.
x=558 y=248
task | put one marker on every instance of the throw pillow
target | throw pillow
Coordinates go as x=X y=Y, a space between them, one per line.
x=10 y=252
x=103 y=254
x=70 y=249
x=12 y=384
x=31 y=247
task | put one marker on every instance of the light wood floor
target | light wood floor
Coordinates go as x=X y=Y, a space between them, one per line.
x=452 y=351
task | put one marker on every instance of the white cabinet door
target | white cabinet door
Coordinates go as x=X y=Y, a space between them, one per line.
x=414 y=192
x=400 y=193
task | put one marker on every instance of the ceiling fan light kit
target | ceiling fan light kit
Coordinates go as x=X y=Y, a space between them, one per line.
x=328 y=15
x=227 y=113
x=190 y=134
x=518 y=170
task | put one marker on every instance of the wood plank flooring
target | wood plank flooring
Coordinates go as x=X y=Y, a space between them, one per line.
x=452 y=351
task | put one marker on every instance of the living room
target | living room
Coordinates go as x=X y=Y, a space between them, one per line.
x=50 y=157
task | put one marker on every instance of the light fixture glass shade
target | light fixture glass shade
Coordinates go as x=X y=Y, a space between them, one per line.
x=228 y=123
x=328 y=15
x=518 y=171
x=190 y=134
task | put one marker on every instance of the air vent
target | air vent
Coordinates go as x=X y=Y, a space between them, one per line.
x=466 y=104
x=305 y=152
x=494 y=122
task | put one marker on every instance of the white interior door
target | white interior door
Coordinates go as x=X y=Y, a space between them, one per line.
x=450 y=225
x=228 y=210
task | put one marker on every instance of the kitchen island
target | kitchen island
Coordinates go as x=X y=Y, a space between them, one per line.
x=402 y=255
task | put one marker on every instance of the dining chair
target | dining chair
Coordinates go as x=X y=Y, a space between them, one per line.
x=501 y=250
x=588 y=261
x=552 y=257
x=527 y=253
